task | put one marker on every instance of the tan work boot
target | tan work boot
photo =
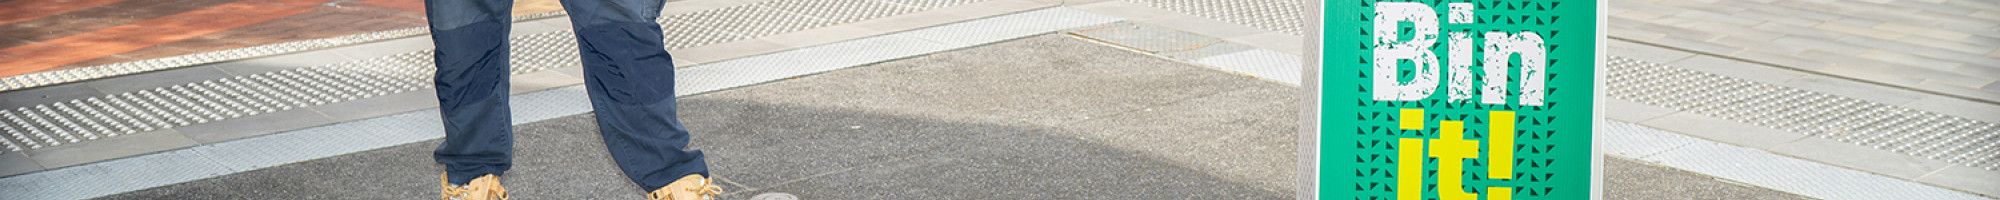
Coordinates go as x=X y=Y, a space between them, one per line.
x=483 y=188
x=690 y=187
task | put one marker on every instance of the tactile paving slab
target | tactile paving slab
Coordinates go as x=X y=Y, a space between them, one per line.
x=1903 y=130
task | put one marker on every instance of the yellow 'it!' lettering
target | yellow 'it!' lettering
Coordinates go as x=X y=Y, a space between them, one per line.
x=1451 y=149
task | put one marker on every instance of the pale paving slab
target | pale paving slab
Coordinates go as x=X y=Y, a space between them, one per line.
x=1926 y=45
x=1722 y=130
x=1761 y=168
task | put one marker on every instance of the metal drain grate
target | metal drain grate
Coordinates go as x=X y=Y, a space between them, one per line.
x=1285 y=16
x=1887 y=127
x=81 y=120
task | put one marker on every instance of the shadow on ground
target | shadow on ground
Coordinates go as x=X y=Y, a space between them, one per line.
x=814 y=153
x=1047 y=117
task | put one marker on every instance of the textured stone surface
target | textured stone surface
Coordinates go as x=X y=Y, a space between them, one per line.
x=1938 y=46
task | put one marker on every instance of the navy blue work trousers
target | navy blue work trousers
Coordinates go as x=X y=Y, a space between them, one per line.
x=628 y=72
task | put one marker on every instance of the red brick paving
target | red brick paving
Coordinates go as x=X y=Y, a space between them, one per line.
x=320 y=22
x=37 y=35
x=23 y=10
x=142 y=34
x=85 y=20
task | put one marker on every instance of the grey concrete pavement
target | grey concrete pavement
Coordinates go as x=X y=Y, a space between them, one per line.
x=1009 y=120
x=1625 y=178
x=1001 y=120
x=1054 y=117
x=228 y=95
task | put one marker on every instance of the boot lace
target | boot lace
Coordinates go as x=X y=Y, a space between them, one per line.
x=704 y=190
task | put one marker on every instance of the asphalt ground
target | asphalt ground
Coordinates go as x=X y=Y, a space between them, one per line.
x=1047 y=117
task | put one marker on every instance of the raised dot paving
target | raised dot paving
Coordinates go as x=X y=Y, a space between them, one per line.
x=1943 y=47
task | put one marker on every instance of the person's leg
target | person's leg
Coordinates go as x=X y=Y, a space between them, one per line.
x=630 y=77
x=471 y=57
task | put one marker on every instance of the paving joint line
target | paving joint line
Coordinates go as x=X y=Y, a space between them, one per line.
x=1813 y=72
x=1225 y=69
